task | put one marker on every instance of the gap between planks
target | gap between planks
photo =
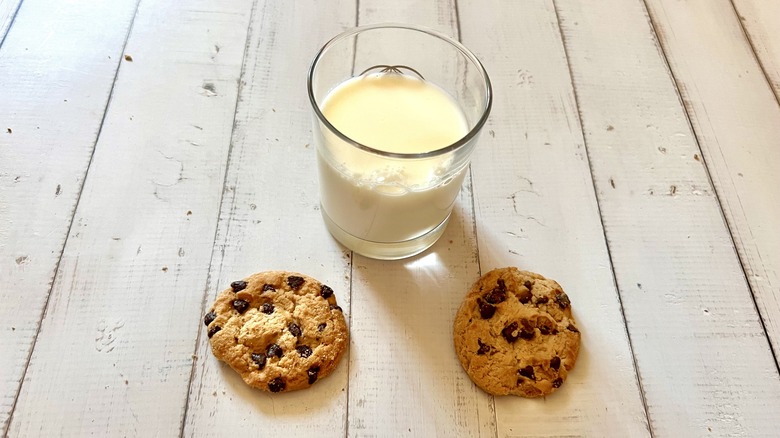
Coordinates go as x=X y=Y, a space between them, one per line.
x=696 y=137
x=752 y=46
x=204 y=301
x=601 y=219
x=120 y=60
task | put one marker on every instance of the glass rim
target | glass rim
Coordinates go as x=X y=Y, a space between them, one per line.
x=456 y=44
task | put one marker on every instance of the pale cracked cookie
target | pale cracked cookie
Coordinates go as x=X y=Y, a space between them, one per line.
x=281 y=331
x=514 y=334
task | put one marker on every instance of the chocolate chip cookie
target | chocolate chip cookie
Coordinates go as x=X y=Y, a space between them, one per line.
x=281 y=331
x=514 y=334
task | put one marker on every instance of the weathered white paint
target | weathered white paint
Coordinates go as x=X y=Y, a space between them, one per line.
x=761 y=21
x=405 y=378
x=114 y=353
x=736 y=119
x=270 y=219
x=536 y=209
x=700 y=349
x=52 y=97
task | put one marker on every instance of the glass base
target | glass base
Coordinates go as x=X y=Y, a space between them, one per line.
x=385 y=250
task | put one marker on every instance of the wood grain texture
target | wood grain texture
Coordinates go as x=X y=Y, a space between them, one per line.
x=270 y=220
x=736 y=119
x=536 y=209
x=405 y=379
x=701 y=351
x=114 y=353
x=52 y=98
x=761 y=21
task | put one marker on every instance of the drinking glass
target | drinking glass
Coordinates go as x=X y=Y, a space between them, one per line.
x=391 y=205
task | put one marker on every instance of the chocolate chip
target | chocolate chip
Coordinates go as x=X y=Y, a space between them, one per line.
x=238 y=285
x=562 y=299
x=528 y=284
x=555 y=362
x=557 y=382
x=525 y=296
x=572 y=328
x=303 y=350
x=312 y=373
x=321 y=327
x=486 y=310
x=267 y=308
x=326 y=291
x=240 y=305
x=527 y=372
x=259 y=359
x=267 y=287
x=483 y=348
x=335 y=307
x=274 y=350
x=510 y=332
x=543 y=329
x=277 y=385
x=498 y=294
x=528 y=331
x=214 y=330
x=209 y=318
x=294 y=328
x=295 y=282
x=542 y=300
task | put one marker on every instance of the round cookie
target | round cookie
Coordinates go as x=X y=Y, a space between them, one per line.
x=280 y=331
x=514 y=334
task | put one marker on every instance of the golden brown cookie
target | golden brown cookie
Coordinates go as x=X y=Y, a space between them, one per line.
x=281 y=331
x=514 y=334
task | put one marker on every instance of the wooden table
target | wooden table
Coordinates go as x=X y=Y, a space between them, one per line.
x=153 y=151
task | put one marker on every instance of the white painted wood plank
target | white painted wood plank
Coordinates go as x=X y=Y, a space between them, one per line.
x=701 y=352
x=52 y=97
x=114 y=354
x=761 y=21
x=8 y=9
x=736 y=119
x=405 y=378
x=536 y=209
x=270 y=220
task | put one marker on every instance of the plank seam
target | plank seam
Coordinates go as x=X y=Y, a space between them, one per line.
x=492 y=398
x=724 y=217
x=7 y=426
x=601 y=220
x=351 y=253
x=11 y=23
x=753 y=51
x=204 y=300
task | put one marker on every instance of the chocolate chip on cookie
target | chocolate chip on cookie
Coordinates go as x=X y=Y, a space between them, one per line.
x=271 y=329
x=240 y=305
x=512 y=317
x=238 y=286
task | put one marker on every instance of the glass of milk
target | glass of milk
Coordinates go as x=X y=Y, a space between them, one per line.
x=397 y=112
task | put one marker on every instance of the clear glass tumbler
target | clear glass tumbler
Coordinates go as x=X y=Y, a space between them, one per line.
x=380 y=202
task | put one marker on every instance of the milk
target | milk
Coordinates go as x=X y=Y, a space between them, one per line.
x=370 y=197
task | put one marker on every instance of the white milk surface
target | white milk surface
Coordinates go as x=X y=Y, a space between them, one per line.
x=382 y=199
